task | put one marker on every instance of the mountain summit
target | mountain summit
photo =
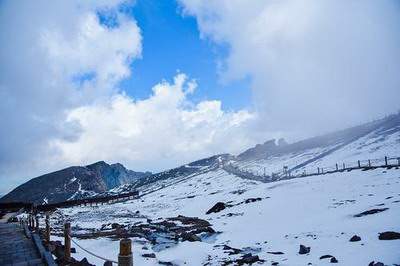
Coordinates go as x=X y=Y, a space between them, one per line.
x=73 y=183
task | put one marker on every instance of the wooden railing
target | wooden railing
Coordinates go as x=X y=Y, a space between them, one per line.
x=287 y=172
x=70 y=203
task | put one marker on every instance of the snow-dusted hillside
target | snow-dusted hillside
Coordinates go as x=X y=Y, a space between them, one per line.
x=314 y=211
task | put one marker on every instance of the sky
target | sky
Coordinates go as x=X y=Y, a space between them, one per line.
x=156 y=84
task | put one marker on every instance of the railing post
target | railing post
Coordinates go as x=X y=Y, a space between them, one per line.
x=386 y=161
x=47 y=228
x=125 y=257
x=67 y=241
x=32 y=222
x=37 y=223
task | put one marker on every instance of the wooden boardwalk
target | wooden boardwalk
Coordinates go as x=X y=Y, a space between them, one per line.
x=16 y=248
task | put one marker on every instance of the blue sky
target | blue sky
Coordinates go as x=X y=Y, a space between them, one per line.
x=172 y=42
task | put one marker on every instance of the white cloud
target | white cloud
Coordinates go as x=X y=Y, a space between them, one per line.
x=160 y=132
x=55 y=56
x=326 y=64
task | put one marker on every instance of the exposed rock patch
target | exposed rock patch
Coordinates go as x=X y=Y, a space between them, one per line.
x=219 y=206
x=389 y=235
x=372 y=211
x=304 y=250
x=355 y=238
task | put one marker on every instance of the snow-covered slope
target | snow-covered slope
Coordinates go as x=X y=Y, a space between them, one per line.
x=372 y=141
x=314 y=211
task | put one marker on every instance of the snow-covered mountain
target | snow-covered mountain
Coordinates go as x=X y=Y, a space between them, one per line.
x=73 y=183
x=205 y=213
x=264 y=162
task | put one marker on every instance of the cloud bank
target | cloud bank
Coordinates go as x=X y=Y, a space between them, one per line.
x=160 y=132
x=60 y=104
x=315 y=65
x=55 y=56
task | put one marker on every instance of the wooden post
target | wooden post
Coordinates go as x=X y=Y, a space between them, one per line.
x=32 y=222
x=37 y=223
x=125 y=257
x=386 y=161
x=47 y=228
x=67 y=241
x=359 y=164
x=369 y=163
x=318 y=170
x=322 y=170
x=344 y=166
x=337 y=167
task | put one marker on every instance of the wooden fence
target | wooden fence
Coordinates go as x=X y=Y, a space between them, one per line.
x=31 y=226
x=69 y=203
x=287 y=172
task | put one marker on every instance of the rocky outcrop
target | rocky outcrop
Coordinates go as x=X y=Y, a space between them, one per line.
x=304 y=250
x=219 y=206
x=389 y=235
x=73 y=183
x=355 y=238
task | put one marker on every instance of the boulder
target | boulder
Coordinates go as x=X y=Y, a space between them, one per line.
x=248 y=259
x=372 y=211
x=373 y=263
x=334 y=260
x=149 y=255
x=115 y=225
x=304 y=250
x=190 y=237
x=355 y=238
x=389 y=235
x=219 y=206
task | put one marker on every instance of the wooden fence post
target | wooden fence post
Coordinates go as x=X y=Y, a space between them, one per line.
x=369 y=163
x=318 y=170
x=47 y=228
x=359 y=164
x=386 y=161
x=344 y=166
x=337 y=167
x=67 y=241
x=322 y=170
x=125 y=257
x=37 y=223
x=32 y=222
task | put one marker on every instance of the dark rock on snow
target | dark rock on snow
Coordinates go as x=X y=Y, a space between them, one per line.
x=252 y=200
x=149 y=255
x=190 y=237
x=325 y=257
x=389 y=235
x=369 y=212
x=355 y=238
x=334 y=260
x=275 y=253
x=219 y=206
x=248 y=259
x=373 y=263
x=304 y=249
